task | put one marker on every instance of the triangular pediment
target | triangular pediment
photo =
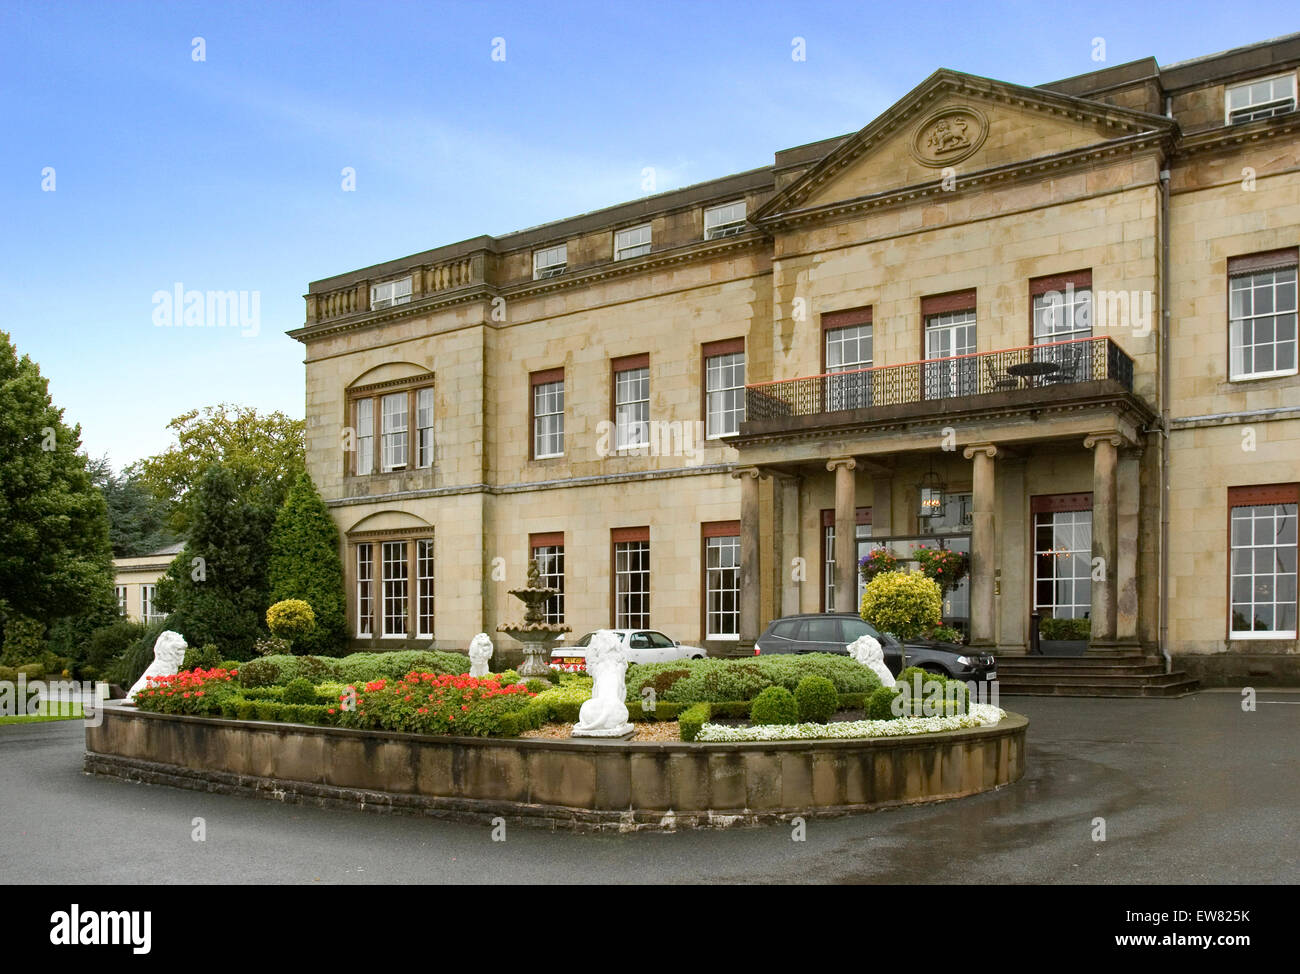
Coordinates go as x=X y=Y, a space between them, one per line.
x=958 y=124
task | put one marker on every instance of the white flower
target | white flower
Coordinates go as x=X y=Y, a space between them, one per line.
x=979 y=715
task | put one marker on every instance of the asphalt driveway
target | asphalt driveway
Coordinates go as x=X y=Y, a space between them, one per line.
x=1192 y=790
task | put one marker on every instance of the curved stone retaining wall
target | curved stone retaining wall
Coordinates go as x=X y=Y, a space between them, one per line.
x=557 y=783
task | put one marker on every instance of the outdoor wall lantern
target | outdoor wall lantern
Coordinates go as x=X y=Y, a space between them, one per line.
x=932 y=488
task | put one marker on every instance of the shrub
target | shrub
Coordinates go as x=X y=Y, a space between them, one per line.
x=33 y=671
x=903 y=603
x=188 y=692
x=1065 y=628
x=271 y=646
x=127 y=669
x=208 y=657
x=692 y=719
x=299 y=690
x=290 y=619
x=775 y=705
x=230 y=664
x=304 y=564
x=364 y=667
x=106 y=645
x=260 y=672
x=8 y=674
x=24 y=640
x=946 y=634
x=433 y=703
x=880 y=704
x=716 y=680
x=664 y=680
x=816 y=699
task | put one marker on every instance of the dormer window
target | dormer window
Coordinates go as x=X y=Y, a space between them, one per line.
x=724 y=221
x=1259 y=99
x=390 y=293
x=550 y=262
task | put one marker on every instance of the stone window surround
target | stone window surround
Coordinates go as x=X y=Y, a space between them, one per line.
x=535 y=379
x=376 y=391
x=624 y=363
x=716 y=529
x=376 y=539
x=708 y=350
x=619 y=536
x=1245 y=264
x=550 y=539
x=1246 y=497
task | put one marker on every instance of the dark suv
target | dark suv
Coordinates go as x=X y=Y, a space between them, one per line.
x=831 y=632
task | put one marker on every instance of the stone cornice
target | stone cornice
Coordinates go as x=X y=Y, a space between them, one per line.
x=701 y=251
x=1234 y=136
x=1066 y=161
x=520 y=488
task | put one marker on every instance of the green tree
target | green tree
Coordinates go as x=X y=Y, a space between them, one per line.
x=55 y=558
x=305 y=565
x=264 y=453
x=215 y=591
x=138 y=522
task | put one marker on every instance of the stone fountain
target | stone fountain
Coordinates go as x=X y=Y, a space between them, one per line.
x=537 y=635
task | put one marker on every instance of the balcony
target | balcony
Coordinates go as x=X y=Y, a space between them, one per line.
x=1011 y=380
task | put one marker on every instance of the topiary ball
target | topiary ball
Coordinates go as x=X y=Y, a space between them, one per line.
x=300 y=690
x=816 y=699
x=775 y=705
x=880 y=705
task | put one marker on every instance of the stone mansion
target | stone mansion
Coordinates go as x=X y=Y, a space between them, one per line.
x=1053 y=327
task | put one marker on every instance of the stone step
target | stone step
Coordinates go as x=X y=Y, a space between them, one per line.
x=1008 y=671
x=1178 y=689
x=1091 y=679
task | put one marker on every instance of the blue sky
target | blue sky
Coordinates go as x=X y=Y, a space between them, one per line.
x=225 y=174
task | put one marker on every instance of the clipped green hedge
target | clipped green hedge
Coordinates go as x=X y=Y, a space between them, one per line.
x=712 y=680
x=816 y=699
x=692 y=719
x=281 y=669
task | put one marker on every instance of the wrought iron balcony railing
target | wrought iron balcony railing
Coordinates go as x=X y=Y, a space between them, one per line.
x=1007 y=371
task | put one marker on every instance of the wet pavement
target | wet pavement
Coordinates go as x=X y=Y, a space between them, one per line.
x=1192 y=790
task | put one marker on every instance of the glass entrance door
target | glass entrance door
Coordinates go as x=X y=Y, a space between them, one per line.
x=948 y=335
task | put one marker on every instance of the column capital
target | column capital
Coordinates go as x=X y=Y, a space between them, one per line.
x=989 y=450
x=848 y=463
x=755 y=472
x=1112 y=437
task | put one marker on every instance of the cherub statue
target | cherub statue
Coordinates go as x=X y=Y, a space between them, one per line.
x=867 y=651
x=168 y=655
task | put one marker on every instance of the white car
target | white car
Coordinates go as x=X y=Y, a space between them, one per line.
x=643 y=646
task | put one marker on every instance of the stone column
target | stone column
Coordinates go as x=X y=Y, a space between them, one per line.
x=750 y=545
x=1105 y=530
x=983 y=541
x=846 y=534
x=1128 y=504
x=787 y=527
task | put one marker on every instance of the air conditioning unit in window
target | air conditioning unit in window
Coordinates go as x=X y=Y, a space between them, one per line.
x=555 y=271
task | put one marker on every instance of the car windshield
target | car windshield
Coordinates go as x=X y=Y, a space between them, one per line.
x=586 y=640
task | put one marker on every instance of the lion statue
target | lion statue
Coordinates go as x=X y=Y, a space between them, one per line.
x=605 y=714
x=480 y=651
x=867 y=651
x=168 y=655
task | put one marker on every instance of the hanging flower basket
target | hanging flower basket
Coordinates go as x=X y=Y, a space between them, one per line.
x=877 y=562
x=946 y=567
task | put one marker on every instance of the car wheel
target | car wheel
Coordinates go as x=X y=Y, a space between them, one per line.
x=698 y=656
